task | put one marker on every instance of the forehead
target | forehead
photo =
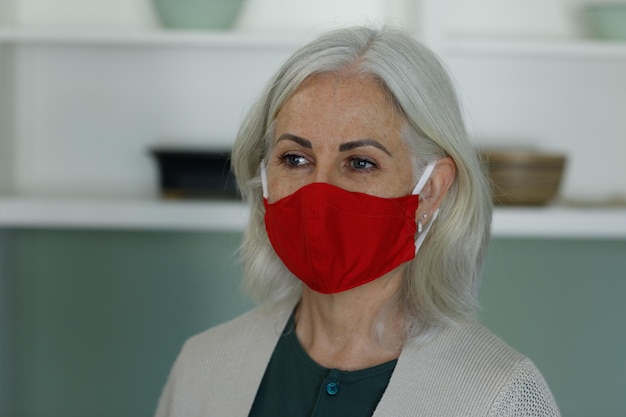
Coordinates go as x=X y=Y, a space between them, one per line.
x=342 y=89
x=342 y=103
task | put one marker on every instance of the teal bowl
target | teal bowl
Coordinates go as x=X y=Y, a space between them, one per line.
x=606 y=20
x=197 y=14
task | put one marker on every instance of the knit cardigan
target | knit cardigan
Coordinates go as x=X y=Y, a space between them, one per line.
x=462 y=370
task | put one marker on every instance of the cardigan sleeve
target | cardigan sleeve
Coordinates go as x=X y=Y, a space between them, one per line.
x=526 y=394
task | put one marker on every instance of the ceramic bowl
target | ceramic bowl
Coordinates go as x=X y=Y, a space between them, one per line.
x=197 y=14
x=522 y=177
x=606 y=20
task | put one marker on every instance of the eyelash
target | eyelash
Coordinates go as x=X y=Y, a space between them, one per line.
x=287 y=157
x=363 y=160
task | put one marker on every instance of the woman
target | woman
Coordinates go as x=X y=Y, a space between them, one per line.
x=353 y=157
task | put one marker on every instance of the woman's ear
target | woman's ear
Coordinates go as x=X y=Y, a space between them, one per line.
x=437 y=186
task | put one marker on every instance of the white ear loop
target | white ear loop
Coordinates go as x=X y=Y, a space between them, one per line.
x=418 y=188
x=264 y=178
x=428 y=171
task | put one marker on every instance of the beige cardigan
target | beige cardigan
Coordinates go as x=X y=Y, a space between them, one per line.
x=462 y=371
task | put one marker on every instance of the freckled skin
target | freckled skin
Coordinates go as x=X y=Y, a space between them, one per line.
x=331 y=110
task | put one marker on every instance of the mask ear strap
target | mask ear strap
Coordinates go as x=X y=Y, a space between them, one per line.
x=264 y=178
x=418 y=188
x=425 y=177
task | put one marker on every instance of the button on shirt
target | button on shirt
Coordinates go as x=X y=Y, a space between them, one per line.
x=295 y=385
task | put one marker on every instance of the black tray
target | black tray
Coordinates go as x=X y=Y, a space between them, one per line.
x=186 y=173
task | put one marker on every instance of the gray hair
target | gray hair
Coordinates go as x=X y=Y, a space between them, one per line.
x=441 y=282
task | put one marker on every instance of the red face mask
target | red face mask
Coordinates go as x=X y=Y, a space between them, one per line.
x=334 y=240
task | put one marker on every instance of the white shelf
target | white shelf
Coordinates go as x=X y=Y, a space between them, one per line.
x=123 y=214
x=539 y=222
x=560 y=222
x=157 y=38
x=572 y=48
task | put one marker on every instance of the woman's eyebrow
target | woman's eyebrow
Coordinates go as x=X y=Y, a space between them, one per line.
x=305 y=143
x=347 y=146
x=363 y=142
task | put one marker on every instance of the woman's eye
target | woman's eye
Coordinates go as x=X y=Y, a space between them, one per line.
x=361 y=164
x=293 y=160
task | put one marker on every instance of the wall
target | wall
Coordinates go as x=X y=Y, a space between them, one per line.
x=7 y=325
x=7 y=12
x=304 y=16
x=6 y=119
x=101 y=315
x=561 y=302
x=256 y=15
x=118 y=102
x=530 y=18
x=75 y=101
x=91 y=14
x=564 y=104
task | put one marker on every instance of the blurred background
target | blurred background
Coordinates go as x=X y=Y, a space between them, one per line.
x=110 y=258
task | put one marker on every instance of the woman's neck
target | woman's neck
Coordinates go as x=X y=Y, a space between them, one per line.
x=339 y=330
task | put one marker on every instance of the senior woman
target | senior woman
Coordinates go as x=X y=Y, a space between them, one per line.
x=370 y=216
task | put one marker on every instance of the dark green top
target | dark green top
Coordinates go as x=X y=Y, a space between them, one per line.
x=296 y=386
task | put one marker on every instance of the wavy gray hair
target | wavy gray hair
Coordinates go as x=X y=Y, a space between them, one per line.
x=441 y=282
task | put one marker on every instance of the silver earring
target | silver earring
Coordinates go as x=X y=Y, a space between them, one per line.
x=420 y=225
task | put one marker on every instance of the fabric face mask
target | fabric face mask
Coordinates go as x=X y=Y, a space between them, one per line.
x=334 y=240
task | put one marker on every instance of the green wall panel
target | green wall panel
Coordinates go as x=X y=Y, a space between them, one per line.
x=562 y=303
x=7 y=322
x=97 y=317
x=102 y=315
